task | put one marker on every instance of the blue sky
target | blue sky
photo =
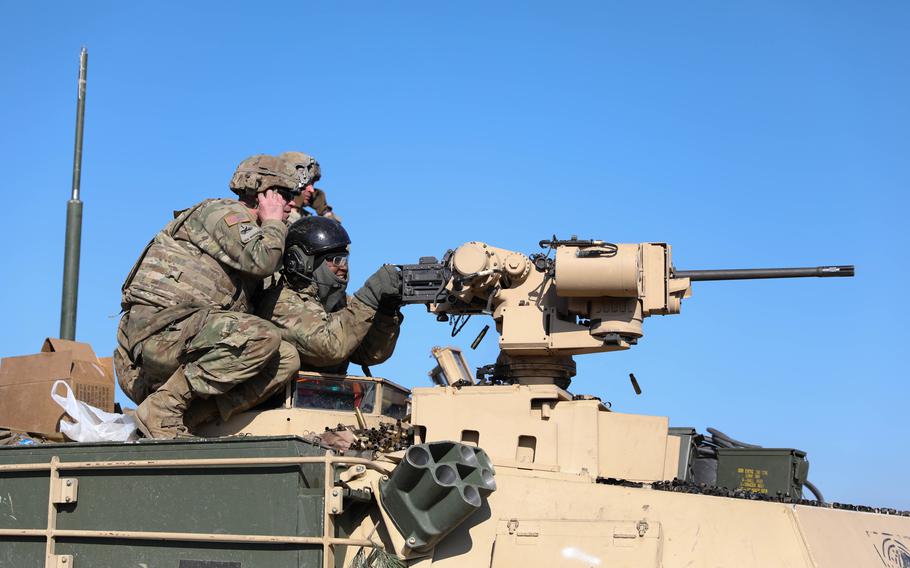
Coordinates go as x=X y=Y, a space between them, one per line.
x=759 y=134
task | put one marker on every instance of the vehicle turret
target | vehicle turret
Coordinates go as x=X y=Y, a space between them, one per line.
x=581 y=296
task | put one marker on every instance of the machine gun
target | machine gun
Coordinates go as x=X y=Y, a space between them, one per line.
x=425 y=282
x=591 y=296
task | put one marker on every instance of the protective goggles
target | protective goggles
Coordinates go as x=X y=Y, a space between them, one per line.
x=338 y=260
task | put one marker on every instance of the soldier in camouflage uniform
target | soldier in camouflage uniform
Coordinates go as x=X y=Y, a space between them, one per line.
x=309 y=172
x=186 y=330
x=310 y=307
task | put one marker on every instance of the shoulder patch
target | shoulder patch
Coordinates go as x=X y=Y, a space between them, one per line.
x=233 y=218
x=248 y=231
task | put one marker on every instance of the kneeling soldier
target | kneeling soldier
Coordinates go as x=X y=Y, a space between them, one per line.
x=186 y=331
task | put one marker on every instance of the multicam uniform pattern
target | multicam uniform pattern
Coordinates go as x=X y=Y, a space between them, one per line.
x=328 y=342
x=187 y=301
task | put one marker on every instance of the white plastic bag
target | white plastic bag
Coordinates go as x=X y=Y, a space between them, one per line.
x=92 y=424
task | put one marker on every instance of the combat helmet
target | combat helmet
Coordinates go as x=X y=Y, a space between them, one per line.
x=262 y=172
x=309 y=241
x=308 y=170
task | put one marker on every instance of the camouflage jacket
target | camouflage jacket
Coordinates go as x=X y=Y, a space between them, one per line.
x=212 y=255
x=328 y=342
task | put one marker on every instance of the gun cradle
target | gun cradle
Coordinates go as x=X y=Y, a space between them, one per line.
x=593 y=299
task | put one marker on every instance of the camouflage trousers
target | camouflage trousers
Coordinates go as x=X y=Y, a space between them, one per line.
x=237 y=358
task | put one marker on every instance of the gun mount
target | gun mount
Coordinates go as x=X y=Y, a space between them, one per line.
x=591 y=296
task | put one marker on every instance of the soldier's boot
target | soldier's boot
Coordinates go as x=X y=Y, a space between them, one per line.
x=161 y=414
x=200 y=411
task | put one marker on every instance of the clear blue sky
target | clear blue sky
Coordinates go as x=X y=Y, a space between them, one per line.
x=745 y=134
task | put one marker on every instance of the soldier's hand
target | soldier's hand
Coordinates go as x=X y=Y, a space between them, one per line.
x=272 y=207
x=318 y=202
x=383 y=286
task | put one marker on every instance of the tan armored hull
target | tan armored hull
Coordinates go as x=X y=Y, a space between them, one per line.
x=536 y=521
x=559 y=503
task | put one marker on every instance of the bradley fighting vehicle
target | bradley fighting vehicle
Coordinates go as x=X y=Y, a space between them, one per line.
x=509 y=469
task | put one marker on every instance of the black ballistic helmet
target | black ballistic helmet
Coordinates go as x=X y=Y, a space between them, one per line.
x=309 y=240
x=317 y=235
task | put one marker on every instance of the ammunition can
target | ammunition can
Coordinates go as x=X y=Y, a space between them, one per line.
x=770 y=471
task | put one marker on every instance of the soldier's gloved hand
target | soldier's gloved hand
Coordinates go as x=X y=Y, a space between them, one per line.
x=389 y=305
x=384 y=284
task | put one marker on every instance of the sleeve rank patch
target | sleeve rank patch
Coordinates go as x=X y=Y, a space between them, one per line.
x=248 y=231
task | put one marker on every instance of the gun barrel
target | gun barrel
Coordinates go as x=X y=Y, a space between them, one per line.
x=758 y=273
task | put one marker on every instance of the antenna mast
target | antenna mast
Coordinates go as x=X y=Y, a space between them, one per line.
x=74 y=219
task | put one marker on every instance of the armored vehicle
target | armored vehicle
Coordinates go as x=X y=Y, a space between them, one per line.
x=499 y=469
x=506 y=467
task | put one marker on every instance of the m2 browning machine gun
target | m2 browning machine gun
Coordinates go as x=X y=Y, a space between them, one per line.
x=425 y=282
x=591 y=296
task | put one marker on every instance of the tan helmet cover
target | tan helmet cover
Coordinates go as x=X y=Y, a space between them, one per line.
x=262 y=172
x=308 y=170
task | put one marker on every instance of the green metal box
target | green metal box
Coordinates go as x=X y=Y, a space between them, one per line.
x=206 y=503
x=763 y=470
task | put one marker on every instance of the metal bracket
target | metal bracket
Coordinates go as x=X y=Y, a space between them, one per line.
x=59 y=561
x=546 y=411
x=66 y=490
x=352 y=472
x=336 y=501
x=512 y=526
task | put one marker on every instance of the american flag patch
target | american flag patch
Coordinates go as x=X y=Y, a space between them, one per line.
x=233 y=218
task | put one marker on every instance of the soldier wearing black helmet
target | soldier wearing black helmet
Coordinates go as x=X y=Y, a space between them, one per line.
x=311 y=308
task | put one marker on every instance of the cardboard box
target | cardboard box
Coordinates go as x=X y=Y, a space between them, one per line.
x=25 y=384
